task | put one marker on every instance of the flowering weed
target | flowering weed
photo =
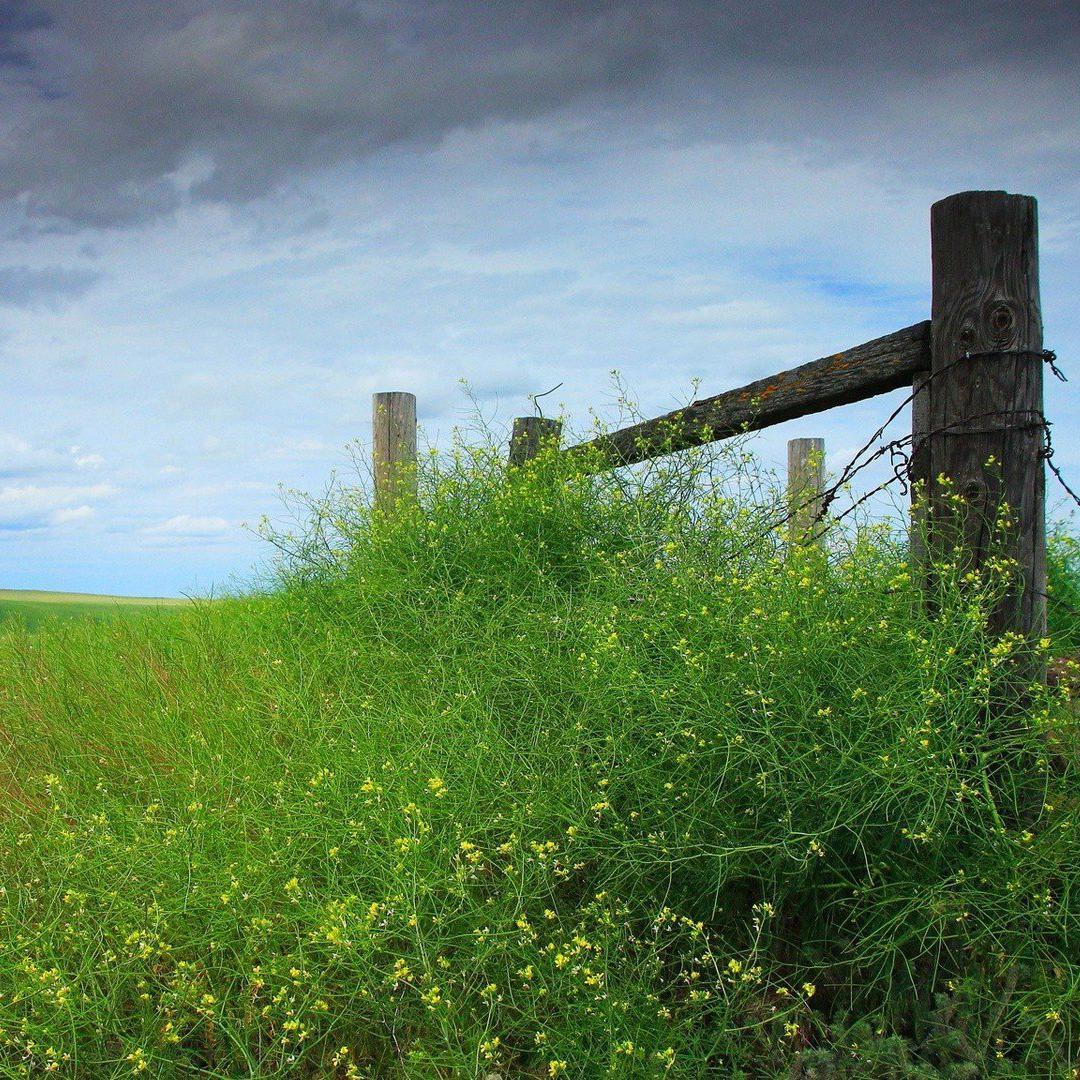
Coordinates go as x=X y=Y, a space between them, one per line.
x=546 y=776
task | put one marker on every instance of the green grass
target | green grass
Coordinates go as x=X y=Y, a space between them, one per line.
x=32 y=607
x=1063 y=599
x=544 y=777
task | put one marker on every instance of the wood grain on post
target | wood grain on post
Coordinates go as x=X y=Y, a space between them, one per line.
x=805 y=489
x=530 y=435
x=393 y=418
x=986 y=394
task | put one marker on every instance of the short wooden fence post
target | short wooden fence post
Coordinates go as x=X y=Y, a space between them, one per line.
x=805 y=489
x=985 y=405
x=530 y=435
x=393 y=418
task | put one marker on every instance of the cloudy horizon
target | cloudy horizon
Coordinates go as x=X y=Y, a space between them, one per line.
x=224 y=224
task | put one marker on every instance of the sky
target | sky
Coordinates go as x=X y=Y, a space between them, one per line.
x=224 y=224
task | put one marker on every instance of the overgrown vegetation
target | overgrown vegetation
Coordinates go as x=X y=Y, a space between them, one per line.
x=546 y=776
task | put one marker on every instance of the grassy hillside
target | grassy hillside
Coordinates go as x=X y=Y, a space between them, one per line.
x=32 y=607
x=548 y=777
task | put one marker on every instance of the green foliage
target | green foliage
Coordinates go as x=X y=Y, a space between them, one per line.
x=1063 y=591
x=545 y=776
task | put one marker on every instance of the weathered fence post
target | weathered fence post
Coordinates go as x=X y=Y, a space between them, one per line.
x=985 y=416
x=805 y=489
x=919 y=469
x=530 y=435
x=393 y=418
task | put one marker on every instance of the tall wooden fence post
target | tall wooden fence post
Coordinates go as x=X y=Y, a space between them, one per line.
x=919 y=470
x=393 y=418
x=986 y=395
x=530 y=435
x=805 y=488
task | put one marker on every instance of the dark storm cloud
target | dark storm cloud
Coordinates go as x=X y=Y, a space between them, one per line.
x=21 y=286
x=16 y=19
x=118 y=108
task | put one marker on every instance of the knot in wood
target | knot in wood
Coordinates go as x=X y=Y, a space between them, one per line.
x=973 y=490
x=1001 y=323
x=1001 y=319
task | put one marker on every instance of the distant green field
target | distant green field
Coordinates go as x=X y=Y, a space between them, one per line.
x=33 y=607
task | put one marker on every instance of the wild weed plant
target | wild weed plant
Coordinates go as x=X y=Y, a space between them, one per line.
x=543 y=775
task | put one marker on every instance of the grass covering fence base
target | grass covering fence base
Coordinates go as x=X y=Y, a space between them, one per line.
x=546 y=776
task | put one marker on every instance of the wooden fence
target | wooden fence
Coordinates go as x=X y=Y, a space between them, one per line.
x=975 y=369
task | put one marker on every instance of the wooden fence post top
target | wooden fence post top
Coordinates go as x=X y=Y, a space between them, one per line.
x=985 y=254
x=389 y=399
x=530 y=435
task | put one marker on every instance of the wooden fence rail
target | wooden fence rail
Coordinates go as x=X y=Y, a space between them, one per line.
x=886 y=363
x=977 y=415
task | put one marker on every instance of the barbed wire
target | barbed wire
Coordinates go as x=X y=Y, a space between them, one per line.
x=901 y=451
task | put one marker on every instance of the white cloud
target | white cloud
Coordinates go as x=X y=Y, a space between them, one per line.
x=20 y=458
x=742 y=314
x=302 y=446
x=35 y=505
x=187 y=525
x=67 y=515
